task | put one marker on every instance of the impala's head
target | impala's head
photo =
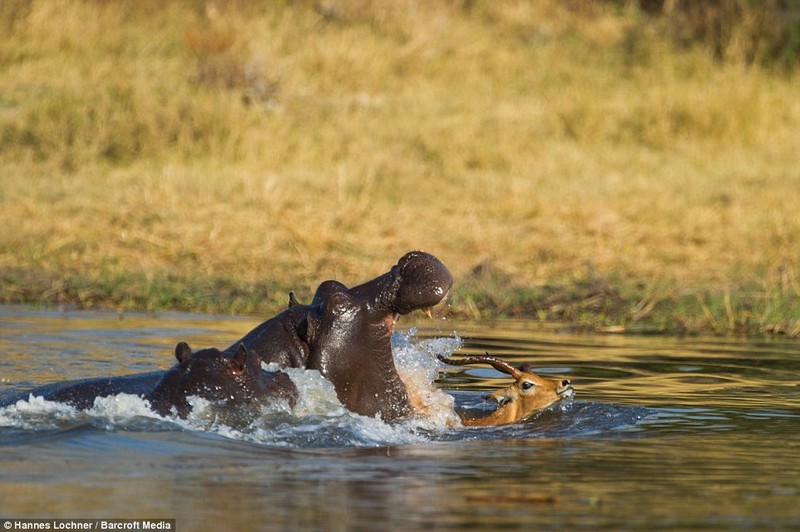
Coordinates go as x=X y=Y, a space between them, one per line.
x=528 y=394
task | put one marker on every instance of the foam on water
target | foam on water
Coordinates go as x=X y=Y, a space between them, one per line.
x=36 y=413
x=121 y=408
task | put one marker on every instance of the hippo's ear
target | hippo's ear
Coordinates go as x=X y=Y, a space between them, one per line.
x=240 y=358
x=325 y=290
x=293 y=302
x=183 y=352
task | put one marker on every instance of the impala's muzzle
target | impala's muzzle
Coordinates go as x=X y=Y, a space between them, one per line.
x=565 y=390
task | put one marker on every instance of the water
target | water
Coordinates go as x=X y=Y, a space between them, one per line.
x=664 y=433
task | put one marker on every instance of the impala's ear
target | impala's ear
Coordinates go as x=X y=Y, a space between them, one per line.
x=183 y=352
x=240 y=358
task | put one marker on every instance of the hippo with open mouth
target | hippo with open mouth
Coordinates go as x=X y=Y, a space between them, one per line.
x=418 y=281
x=345 y=333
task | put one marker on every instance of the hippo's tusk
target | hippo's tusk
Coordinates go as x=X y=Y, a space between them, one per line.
x=428 y=312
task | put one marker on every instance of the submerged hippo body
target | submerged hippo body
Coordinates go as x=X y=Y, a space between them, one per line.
x=81 y=394
x=229 y=380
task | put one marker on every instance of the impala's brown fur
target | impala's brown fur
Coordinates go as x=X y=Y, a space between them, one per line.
x=528 y=393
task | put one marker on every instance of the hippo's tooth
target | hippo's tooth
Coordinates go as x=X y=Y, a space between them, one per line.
x=428 y=312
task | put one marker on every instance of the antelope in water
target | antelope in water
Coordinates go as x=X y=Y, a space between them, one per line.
x=527 y=395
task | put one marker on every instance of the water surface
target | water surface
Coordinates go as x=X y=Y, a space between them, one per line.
x=664 y=433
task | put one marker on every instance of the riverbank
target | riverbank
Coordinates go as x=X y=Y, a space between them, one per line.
x=577 y=164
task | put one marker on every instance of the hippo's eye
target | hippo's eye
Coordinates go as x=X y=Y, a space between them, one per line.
x=527 y=385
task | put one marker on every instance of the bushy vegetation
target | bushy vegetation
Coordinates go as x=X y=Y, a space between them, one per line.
x=615 y=164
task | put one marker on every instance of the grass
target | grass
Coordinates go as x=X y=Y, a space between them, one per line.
x=567 y=161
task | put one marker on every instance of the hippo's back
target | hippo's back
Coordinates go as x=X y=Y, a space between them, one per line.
x=82 y=393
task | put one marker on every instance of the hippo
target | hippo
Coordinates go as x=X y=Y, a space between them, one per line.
x=345 y=333
x=418 y=281
x=229 y=380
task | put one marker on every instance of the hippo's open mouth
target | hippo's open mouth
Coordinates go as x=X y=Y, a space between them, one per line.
x=392 y=319
x=431 y=312
x=419 y=281
x=437 y=310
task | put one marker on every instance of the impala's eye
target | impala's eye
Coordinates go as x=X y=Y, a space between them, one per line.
x=527 y=385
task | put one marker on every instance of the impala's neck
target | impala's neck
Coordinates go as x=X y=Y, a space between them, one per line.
x=507 y=413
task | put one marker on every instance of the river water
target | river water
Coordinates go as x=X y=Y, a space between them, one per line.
x=663 y=433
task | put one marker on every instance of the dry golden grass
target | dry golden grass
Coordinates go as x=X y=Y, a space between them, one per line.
x=564 y=163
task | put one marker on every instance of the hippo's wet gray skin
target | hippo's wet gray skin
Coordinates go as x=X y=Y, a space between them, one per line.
x=228 y=380
x=351 y=347
x=235 y=380
x=418 y=281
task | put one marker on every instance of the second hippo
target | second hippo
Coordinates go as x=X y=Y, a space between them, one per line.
x=235 y=380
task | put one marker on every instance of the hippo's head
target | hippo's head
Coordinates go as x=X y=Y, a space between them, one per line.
x=418 y=281
x=232 y=379
x=348 y=332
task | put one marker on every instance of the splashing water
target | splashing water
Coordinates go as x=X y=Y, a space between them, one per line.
x=36 y=414
x=418 y=368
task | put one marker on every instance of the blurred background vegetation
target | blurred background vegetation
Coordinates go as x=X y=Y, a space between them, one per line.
x=621 y=165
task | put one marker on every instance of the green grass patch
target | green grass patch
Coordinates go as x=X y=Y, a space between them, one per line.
x=610 y=164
